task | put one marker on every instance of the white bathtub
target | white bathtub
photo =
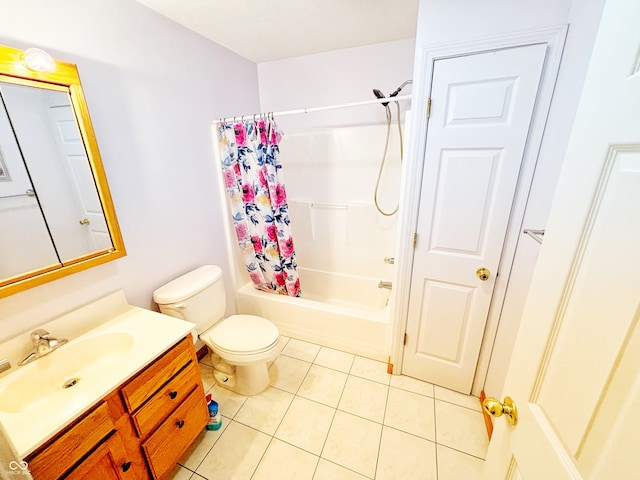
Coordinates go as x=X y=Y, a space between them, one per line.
x=345 y=312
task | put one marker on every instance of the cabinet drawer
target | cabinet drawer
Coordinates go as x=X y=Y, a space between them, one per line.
x=166 y=400
x=67 y=449
x=167 y=444
x=138 y=390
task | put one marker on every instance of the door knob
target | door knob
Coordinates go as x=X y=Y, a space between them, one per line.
x=496 y=409
x=483 y=274
x=85 y=221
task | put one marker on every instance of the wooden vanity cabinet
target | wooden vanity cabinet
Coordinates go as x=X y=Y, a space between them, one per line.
x=167 y=406
x=137 y=432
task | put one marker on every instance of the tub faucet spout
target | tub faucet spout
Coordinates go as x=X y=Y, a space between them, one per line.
x=386 y=285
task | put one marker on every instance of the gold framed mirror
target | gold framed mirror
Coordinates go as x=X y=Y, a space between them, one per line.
x=56 y=212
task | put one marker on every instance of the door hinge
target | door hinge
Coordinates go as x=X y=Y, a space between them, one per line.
x=415 y=239
x=404 y=340
x=428 y=107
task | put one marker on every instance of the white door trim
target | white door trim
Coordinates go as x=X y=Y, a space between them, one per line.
x=554 y=37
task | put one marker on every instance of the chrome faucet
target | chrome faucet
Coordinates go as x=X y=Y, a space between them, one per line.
x=43 y=344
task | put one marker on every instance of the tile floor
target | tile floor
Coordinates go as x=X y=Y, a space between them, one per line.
x=331 y=415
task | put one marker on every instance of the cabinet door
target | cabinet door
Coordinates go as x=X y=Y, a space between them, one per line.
x=54 y=459
x=108 y=462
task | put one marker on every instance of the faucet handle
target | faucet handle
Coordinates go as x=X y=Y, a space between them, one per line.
x=38 y=334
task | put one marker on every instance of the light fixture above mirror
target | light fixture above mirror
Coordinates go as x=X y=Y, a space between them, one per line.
x=56 y=211
x=38 y=60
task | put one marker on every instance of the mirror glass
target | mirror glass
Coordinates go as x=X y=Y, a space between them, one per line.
x=56 y=214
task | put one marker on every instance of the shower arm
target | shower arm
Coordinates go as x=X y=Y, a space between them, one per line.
x=402 y=85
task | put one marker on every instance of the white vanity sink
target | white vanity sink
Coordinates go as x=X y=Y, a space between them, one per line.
x=65 y=372
x=39 y=399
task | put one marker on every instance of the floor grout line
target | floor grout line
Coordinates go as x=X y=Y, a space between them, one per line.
x=272 y=437
x=384 y=416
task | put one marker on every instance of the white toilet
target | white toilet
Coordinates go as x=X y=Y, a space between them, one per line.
x=241 y=345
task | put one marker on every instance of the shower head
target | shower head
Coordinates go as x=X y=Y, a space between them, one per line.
x=379 y=94
x=397 y=90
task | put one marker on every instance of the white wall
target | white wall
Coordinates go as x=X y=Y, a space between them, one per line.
x=152 y=88
x=440 y=22
x=336 y=77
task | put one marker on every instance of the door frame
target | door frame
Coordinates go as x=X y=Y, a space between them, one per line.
x=555 y=38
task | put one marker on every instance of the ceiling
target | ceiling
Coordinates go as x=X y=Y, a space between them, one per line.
x=266 y=30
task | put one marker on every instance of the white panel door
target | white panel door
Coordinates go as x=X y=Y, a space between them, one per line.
x=482 y=106
x=575 y=372
x=90 y=214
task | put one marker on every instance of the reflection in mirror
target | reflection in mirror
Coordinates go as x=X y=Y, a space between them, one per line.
x=45 y=127
x=23 y=226
x=56 y=213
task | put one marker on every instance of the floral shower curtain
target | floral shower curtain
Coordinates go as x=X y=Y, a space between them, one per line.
x=253 y=181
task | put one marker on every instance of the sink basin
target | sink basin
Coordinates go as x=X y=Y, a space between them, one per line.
x=65 y=372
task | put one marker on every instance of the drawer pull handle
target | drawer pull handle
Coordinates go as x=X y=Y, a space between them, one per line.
x=180 y=423
x=126 y=466
x=173 y=394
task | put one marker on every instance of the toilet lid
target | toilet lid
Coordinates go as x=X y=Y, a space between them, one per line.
x=243 y=333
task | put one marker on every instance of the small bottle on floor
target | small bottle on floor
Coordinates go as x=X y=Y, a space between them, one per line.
x=215 y=421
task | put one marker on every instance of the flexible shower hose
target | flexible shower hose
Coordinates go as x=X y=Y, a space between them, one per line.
x=384 y=157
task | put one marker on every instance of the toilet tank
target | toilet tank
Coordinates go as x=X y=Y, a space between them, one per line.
x=197 y=297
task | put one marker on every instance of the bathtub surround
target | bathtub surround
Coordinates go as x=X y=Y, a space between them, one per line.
x=254 y=183
x=341 y=240
x=333 y=217
x=346 y=312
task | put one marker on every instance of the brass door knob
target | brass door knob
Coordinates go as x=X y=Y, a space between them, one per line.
x=85 y=221
x=483 y=274
x=496 y=409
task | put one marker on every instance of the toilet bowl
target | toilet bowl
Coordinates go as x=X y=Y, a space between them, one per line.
x=243 y=344
x=240 y=345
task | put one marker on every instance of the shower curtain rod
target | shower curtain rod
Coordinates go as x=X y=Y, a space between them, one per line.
x=313 y=109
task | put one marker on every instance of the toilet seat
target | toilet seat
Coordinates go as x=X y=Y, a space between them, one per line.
x=242 y=336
